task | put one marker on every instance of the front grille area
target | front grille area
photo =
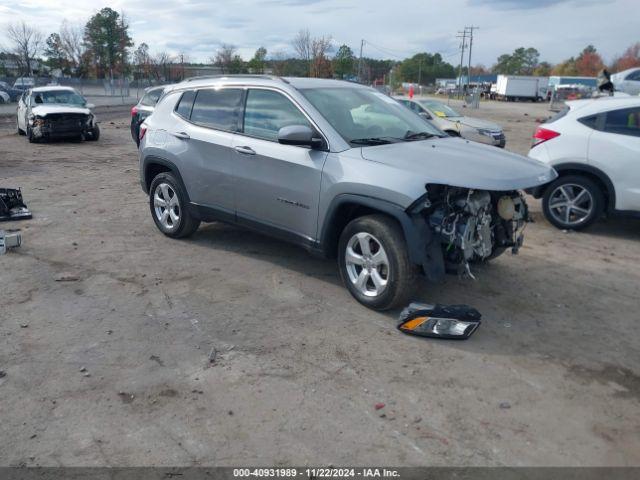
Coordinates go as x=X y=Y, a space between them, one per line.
x=66 y=122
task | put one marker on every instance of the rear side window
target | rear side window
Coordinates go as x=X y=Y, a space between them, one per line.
x=591 y=121
x=151 y=98
x=185 y=104
x=219 y=109
x=267 y=112
x=623 y=122
x=634 y=75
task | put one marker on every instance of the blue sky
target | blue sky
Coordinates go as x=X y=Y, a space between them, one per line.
x=557 y=28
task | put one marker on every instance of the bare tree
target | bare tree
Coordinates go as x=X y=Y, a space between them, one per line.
x=302 y=45
x=224 y=57
x=26 y=43
x=163 y=61
x=320 y=65
x=73 y=46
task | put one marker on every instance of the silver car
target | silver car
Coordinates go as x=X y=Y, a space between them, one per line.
x=339 y=168
x=450 y=121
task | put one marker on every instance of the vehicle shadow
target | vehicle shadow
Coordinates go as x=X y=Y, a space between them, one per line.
x=529 y=307
x=627 y=228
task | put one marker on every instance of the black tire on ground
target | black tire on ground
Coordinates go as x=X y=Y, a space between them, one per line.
x=93 y=134
x=187 y=224
x=30 y=136
x=584 y=182
x=402 y=275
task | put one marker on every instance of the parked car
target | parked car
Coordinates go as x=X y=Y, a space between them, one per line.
x=627 y=81
x=24 y=83
x=300 y=159
x=56 y=112
x=594 y=145
x=143 y=109
x=451 y=122
x=13 y=93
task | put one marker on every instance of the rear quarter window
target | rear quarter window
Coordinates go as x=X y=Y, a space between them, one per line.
x=185 y=104
x=151 y=98
x=591 y=121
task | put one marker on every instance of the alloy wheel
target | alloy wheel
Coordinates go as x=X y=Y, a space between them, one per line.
x=571 y=204
x=166 y=206
x=367 y=264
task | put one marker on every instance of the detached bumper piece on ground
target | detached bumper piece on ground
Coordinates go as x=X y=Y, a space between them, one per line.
x=9 y=239
x=12 y=206
x=439 y=321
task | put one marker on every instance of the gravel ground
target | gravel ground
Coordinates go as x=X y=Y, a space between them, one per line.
x=122 y=347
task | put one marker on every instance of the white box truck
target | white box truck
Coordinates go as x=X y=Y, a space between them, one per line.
x=518 y=87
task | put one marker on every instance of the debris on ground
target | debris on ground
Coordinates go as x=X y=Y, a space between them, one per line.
x=24 y=325
x=212 y=355
x=379 y=406
x=126 y=397
x=12 y=206
x=9 y=239
x=505 y=405
x=3 y=374
x=67 y=277
x=439 y=321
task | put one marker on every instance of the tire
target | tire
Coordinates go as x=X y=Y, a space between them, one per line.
x=588 y=206
x=376 y=231
x=179 y=225
x=30 y=136
x=94 y=134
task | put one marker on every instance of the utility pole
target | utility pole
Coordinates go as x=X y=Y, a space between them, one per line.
x=360 y=62
x=471 y=29
x=463 y=45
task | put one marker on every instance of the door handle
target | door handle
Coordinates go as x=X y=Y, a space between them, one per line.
x=245 y=150
x=182 y=135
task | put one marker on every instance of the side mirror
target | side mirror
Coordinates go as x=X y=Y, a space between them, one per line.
x=425 y=115
x=299 y=135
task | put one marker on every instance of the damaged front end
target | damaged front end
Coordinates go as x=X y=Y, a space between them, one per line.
x=60 y=125
x=468 y=225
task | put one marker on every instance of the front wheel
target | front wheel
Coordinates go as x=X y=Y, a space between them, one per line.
x=93 y=134
x=374 y=263
x=573 y=202
x=168 y=204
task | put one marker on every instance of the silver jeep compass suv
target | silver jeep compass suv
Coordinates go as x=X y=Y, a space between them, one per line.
x=338 y=168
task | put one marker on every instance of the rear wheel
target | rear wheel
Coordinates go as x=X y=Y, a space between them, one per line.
x=374 y=263
x=168 y=204
x=573 y=202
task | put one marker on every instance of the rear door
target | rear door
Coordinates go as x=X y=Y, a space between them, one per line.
x=615 y=149
x=278 y=186
x=207 y=126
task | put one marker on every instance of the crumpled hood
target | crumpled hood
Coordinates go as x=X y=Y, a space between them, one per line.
x=43 y=110
x=478 y=123
x=461 y=163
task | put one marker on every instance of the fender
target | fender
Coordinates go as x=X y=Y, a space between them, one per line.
x=418 y=236
x=151 y=159
x=610 y=192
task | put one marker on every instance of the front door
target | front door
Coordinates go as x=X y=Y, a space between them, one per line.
x=277 y=185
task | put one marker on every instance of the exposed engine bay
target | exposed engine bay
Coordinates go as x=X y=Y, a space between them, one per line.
x=474 y=225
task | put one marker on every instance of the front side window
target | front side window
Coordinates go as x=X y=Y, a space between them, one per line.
x=267 y=112
x=220 y=109
x=623 y=122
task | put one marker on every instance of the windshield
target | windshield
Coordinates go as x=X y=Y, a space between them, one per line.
x=68 y=97
x=367 y=117
x=440 y=109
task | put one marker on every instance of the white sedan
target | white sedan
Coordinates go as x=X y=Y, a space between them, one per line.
x=594 y=145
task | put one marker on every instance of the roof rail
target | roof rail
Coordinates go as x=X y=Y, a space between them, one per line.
x=234 y=75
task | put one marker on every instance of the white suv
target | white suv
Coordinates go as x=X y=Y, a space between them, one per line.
x=594 y=145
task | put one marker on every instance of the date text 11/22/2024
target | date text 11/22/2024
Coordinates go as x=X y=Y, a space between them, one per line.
x=315 y=472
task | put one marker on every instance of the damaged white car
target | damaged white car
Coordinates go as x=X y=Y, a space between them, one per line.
x=56 y=112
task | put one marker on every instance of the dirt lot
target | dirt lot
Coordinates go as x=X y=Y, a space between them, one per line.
x=552 y=377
